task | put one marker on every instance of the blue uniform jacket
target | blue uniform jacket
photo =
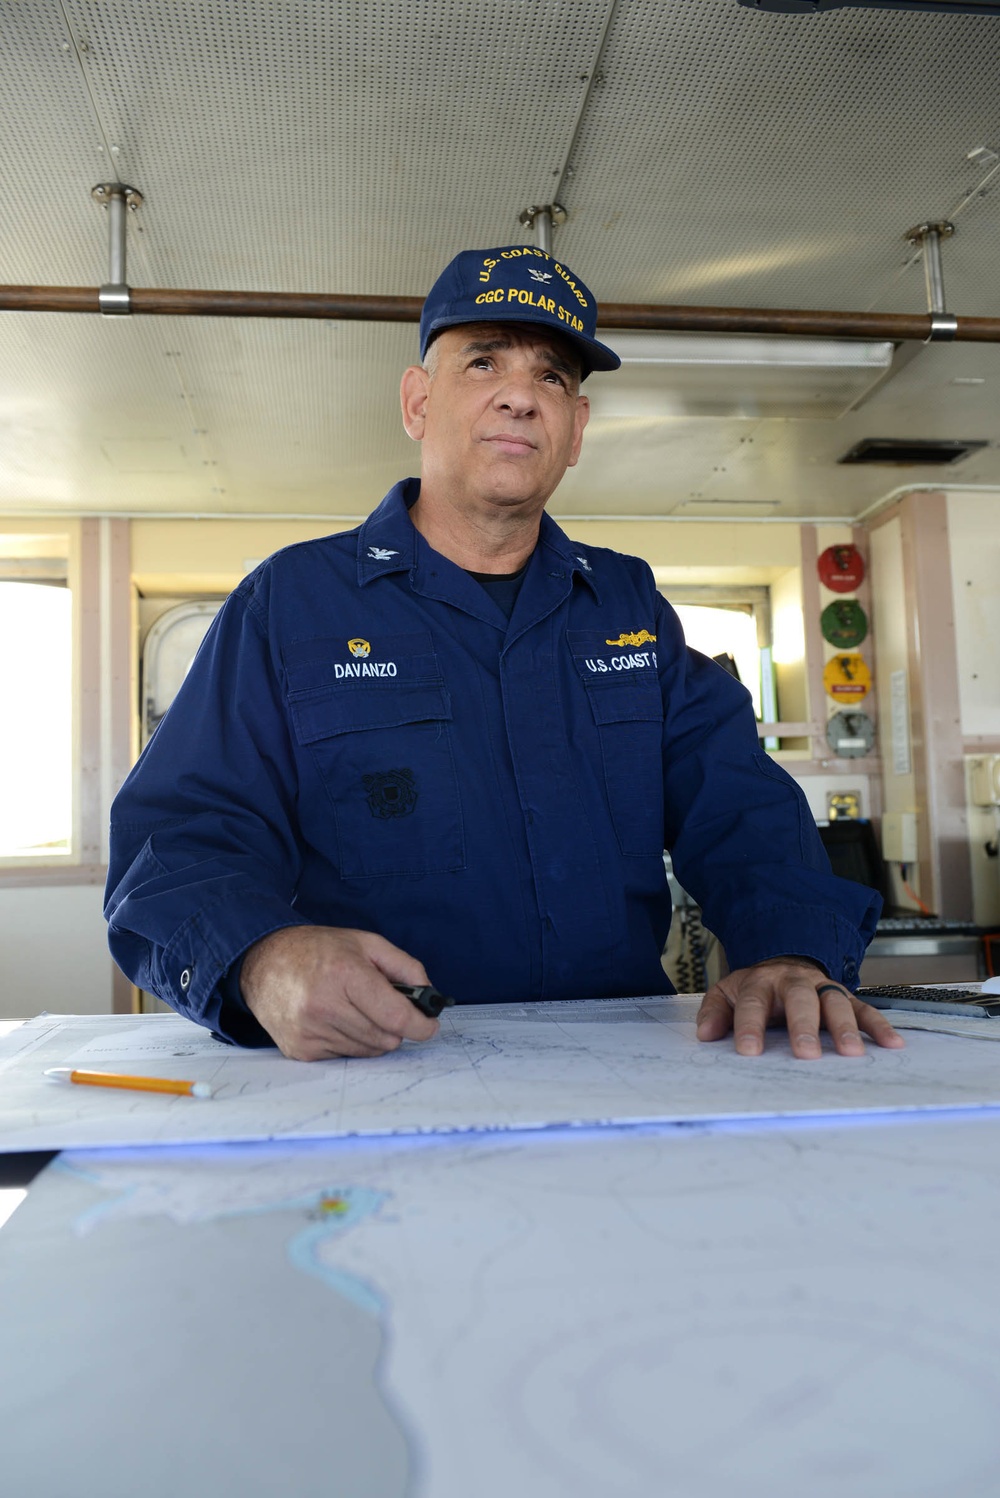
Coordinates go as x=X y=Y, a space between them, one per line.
x=363 y=740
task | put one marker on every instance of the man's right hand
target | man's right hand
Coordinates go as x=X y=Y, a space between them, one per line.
x=323 y=991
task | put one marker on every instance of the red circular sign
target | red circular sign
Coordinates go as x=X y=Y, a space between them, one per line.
x=841 y=568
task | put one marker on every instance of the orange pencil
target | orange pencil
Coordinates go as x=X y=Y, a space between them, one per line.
x=139 y=1084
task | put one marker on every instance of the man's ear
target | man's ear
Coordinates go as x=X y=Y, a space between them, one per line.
x=413 y=391
x=581 y=419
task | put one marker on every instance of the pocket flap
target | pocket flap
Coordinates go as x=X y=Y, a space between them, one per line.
x=626 y=702
x=332 y=710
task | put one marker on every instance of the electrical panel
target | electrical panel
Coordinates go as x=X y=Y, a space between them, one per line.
x=899 y=836
x=984 y=780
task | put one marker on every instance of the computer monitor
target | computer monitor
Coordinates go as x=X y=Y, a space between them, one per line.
x=728 y=663
x=854 y=853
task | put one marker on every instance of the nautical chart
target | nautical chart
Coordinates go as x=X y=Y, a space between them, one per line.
x=765 y=1310
x=491 y=1067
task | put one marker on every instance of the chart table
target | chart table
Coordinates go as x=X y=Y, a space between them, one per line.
x=762 y=1305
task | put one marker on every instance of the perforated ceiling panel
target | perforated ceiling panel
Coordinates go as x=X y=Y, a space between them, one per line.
x=308 y=146
x=706 y=153
x=737 y=158
x=50 y=231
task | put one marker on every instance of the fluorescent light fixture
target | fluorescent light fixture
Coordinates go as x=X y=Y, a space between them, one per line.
x=737 y=376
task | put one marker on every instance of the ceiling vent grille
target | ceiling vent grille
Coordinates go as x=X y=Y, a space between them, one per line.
x=908 y=451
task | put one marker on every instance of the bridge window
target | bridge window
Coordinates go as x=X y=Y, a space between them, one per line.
x=36 y=693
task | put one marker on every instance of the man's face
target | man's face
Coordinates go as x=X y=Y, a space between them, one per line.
x=498 y=411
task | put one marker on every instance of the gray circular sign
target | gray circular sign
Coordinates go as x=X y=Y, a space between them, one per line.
x=850 y=734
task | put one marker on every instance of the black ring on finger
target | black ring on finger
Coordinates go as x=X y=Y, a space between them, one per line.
x=832 y=987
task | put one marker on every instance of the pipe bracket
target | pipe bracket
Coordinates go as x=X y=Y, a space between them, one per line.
x=543 y=219
x=944 y=327
x=114 y=300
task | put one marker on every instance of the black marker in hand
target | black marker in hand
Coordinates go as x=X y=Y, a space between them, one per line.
x=426 y=998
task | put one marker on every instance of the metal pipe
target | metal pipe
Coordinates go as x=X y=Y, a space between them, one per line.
x=116 y=237
x=113 y=297
x=807 y=323
x=927 y=238
x=934 y=270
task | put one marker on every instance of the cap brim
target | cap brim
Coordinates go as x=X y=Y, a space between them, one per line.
x=593 y=355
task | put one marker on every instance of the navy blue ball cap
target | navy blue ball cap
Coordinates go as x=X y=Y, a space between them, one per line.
x=517 y=283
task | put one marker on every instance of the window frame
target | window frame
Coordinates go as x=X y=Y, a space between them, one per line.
x=750 y=598
x=43 y=868
x=779 y=736
x=99 y=578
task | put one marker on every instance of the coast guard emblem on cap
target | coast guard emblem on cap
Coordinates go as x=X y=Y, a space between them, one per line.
x=379 y=553
x=391 y=793
x=359 y=647
x=488 y=286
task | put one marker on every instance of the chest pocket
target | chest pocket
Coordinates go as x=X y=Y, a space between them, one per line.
x=623 y=689
x=381 y=746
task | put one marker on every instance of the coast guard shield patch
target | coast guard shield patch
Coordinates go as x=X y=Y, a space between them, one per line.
x=391 y=793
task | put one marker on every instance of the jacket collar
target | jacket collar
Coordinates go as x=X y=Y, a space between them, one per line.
x=387 y=540
x=572 y=554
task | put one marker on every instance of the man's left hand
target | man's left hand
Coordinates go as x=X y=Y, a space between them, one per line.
x=783 y=989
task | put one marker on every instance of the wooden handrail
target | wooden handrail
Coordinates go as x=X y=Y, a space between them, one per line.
x=806 y=323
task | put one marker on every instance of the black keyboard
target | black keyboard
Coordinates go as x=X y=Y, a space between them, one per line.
x=968 y=1001
x=909 y=925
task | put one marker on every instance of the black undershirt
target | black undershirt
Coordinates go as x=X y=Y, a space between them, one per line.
x=503 y=587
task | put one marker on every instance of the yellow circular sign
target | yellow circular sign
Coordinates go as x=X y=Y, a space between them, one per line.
x=847 y=678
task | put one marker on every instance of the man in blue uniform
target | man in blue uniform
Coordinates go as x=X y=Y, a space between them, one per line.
x=452 y=744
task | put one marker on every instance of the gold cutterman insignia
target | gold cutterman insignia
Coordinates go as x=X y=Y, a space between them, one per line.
x=636 y=639
x=359 y=647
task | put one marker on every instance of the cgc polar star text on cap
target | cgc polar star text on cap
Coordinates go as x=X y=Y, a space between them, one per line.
x=516 y=283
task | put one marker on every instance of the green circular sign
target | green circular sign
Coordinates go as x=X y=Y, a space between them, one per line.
x=844 y=623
